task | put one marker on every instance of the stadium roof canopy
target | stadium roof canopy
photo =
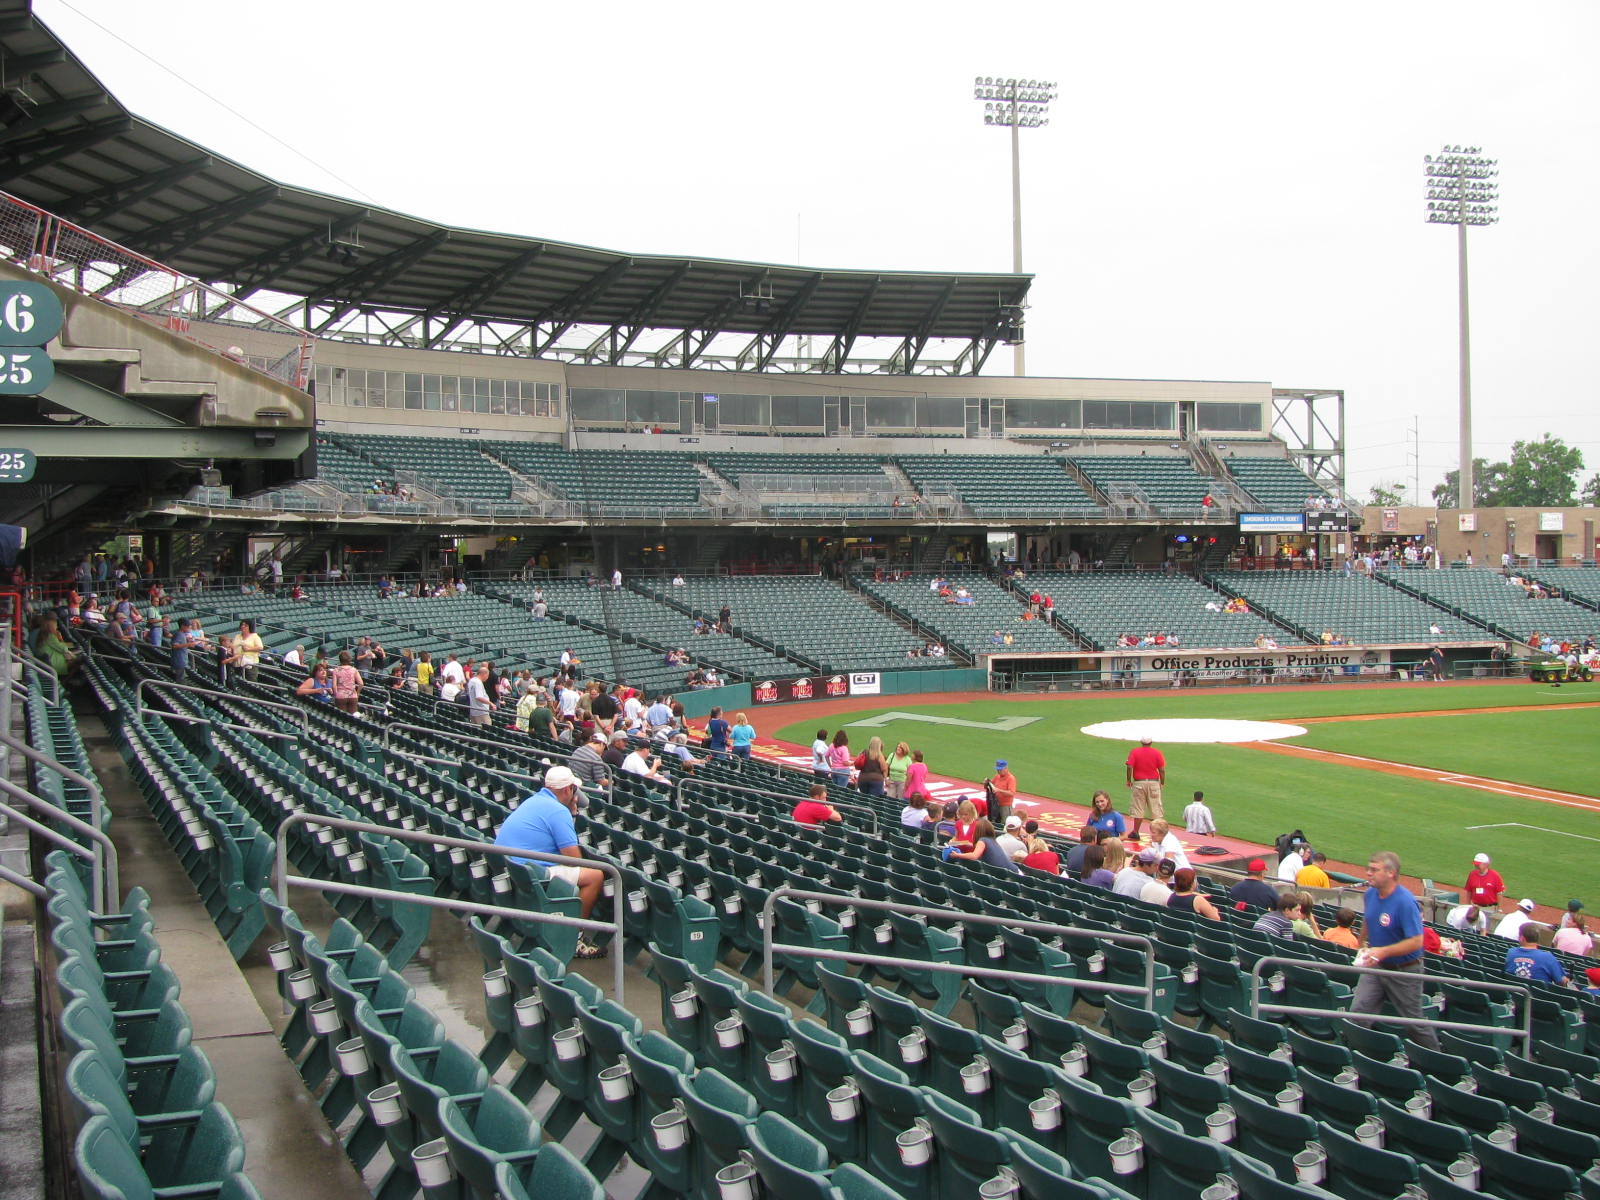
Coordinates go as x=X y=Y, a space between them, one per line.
x=349 y=270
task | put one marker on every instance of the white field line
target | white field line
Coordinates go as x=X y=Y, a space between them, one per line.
x=1546 y=795
x=1539 y=828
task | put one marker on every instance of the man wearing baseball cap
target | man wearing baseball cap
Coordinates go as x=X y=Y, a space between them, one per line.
x=1253 y=891
x=543 y=823
x=1004 y=785
x=1484 y=885
x=1140 y=870
x=1147 y=771
x=1011 y=840
x=1511 y=924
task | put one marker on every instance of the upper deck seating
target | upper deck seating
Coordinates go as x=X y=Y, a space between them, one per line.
x=1001 y=484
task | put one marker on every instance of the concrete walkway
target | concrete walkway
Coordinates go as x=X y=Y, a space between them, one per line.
x=290 y=1151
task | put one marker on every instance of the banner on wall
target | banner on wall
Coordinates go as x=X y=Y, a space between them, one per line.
x=1272 y=522
x=865 y=683
x=1334 y=660
x=802 y=687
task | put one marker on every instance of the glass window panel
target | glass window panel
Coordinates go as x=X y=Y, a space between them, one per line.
x=449 y=389
x=497 y=403
x=736 y=408
x=941 y=412
x=1042 y=414
x=413 y=392
x=653 y=408
x=891 y=412
x=599 y=404
x=1127 y=414
x=797 y=412
x=1228 y=416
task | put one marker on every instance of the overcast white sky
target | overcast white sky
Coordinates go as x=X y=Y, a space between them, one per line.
x=1225 y=191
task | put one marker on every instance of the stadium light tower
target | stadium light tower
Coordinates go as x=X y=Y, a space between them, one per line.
x=1462 y=191
x=1015 y=104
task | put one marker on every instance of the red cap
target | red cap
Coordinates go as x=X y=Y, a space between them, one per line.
x=1257 y=865
x=1594 y=976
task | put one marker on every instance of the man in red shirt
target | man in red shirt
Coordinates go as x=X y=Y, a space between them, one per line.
x=1484 y=885
x=1147 y=771
x=816 y=810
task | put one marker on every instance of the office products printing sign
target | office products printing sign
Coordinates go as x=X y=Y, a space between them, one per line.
x=803 y=687
x=1192 y=667
x=1272 y=522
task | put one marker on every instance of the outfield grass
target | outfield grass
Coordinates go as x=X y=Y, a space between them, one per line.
x=1546 y=749
x=1543 y=850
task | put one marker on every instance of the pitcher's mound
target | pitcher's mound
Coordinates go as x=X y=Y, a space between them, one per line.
x=1193 y=729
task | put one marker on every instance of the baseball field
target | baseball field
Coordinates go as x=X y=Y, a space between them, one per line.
x=1433 y=772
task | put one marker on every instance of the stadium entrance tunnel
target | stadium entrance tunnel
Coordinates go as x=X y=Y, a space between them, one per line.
x=1193 y=729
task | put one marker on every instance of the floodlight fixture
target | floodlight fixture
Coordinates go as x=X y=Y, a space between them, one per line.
x=1012 y=103
x=1462 y=191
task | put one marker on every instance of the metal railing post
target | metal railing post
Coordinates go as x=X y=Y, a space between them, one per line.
x=142 y=710
x=388 y=747
x=97 y=798
x=1148 y=991
x=46 y=671
x=107 y=881
x=1257 y=1008
x=283 y=880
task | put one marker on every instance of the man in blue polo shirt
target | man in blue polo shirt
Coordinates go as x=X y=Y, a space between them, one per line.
x=1526 y=961
x=544 y=824
x=1394 y=943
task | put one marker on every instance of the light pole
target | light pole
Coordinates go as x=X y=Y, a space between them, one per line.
x=1462 y=191
x=1015 y=104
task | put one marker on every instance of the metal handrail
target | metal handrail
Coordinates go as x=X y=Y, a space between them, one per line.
x=1148 y=991
x=47 y=671
x=388 y=748
x=1294 y=1010
x=283 y=880
x=23 y=882
x=97 y=798
x=165 y=714
x=677 y=796
x=106 y=883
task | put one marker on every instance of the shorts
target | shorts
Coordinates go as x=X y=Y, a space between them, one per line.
x=479 y=718
x=565 y=874
x=1144 y=800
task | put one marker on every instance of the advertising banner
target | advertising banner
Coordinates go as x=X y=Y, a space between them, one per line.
x=865 y=683
x=1182 y=668
x=1272 y=522
x=803 y=687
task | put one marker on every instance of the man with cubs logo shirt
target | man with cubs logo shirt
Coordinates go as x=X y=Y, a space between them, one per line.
x=1394 y=943
x=1484 y=885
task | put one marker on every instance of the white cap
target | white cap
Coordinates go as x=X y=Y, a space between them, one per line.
x=1480 y=858
x=1525 y=905
x=1013 y=822
x=560 y=777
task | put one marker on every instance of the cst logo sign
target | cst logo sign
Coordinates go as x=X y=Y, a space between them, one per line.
x=865 y=683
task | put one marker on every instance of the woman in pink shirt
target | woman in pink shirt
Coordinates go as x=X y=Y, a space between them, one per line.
x=1574 y=938
x=916 y=775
